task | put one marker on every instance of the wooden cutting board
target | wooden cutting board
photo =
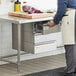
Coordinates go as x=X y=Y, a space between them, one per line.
x=30 y=16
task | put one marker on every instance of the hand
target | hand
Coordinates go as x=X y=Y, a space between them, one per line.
x=51 y=23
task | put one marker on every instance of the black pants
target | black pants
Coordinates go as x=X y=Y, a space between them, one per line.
x=70 y=55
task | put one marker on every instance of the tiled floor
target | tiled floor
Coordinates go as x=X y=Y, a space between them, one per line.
x=34 y=65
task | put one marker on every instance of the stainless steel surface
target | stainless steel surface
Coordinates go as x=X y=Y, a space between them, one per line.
x=12 y=55
x=5 y=60
x=30 y=32
x=34 y=65
x=30 y=56
x=19 y=47
x=43 y=28
x=19 y=22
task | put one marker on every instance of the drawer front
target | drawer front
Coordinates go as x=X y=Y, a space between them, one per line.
x=48 y=37
x=43 y=38
x=45 y=47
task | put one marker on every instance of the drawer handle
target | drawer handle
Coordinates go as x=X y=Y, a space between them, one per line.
x=45 y=42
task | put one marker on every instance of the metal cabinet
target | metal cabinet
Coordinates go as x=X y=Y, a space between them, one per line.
x=36 y=37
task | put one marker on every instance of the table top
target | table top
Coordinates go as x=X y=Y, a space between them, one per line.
x=18 y=20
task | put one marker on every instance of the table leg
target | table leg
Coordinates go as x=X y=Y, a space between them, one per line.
x=19 y=48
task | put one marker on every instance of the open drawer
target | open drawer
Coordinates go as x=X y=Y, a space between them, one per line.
x=34 y=40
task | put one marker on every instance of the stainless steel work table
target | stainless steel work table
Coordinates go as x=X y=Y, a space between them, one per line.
x=19 y=22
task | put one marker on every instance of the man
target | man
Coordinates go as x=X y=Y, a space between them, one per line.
x=70 y=47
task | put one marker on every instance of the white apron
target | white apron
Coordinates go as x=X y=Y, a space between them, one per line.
x=68 y=27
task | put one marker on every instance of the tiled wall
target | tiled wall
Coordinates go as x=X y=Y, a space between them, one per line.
x=7 y=6
x=42 y=4
x=5 y=39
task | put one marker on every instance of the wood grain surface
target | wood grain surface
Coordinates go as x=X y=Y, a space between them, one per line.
x=30 y=16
